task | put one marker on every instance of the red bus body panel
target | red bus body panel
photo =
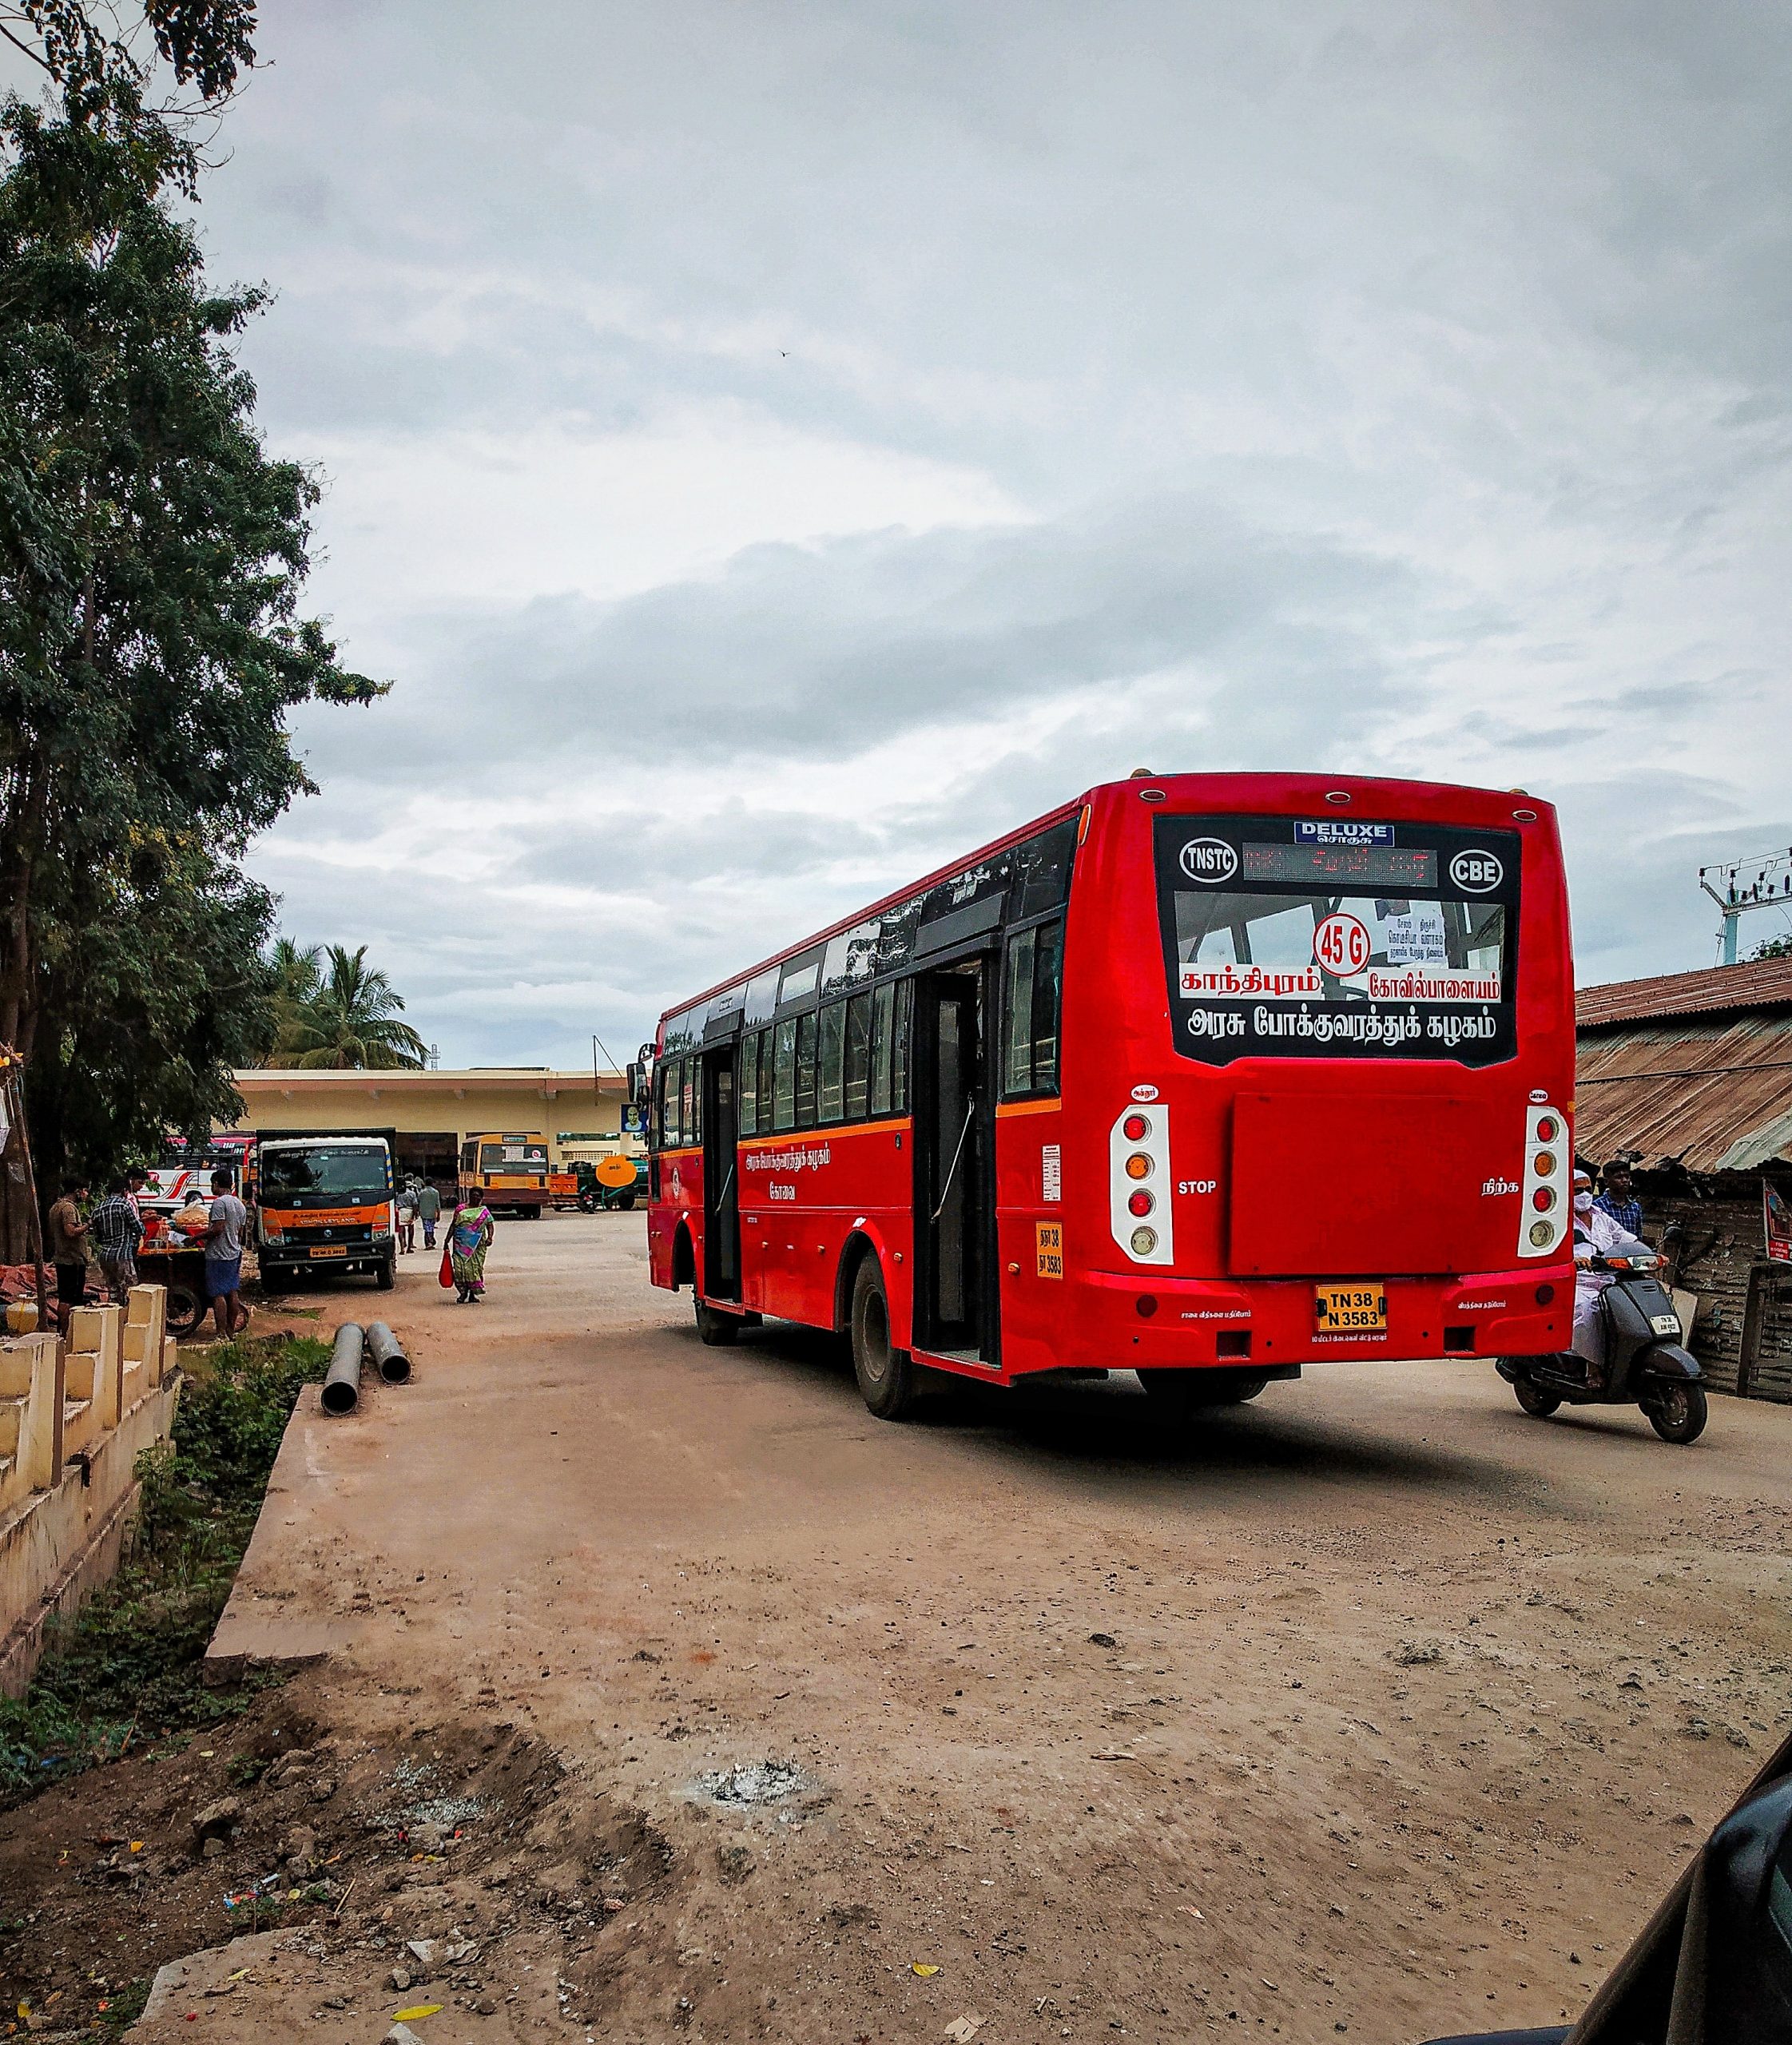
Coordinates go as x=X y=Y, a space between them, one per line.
x=1284 y=1172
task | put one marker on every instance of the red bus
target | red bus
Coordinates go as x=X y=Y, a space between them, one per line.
x=1204 y=1076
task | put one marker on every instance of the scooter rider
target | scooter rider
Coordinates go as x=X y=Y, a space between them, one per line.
x=1596 y=1235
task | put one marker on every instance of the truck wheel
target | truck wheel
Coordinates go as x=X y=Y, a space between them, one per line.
x=718 y=1330
x=1677 y=1412
x=886 y=1375
x=387 y=1273
x=626 y=1203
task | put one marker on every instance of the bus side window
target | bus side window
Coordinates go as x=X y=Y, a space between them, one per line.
x=1035 y=987
x=783 y=1074
x=1048 y=991
x=1017 y=1021
x=806 y=1030
x=766 y=1080
x=749 y=1112
x=858 y=1058
x=883 y=1011
x=833 y=1050
x=693 y=1100
x=899 y=1046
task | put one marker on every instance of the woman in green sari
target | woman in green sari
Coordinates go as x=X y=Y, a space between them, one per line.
x=470 y=1231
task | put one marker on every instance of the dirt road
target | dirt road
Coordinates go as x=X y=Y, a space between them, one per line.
x=1372 y=1707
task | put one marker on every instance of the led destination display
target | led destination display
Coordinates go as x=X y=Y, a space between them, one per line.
x=1371 y=866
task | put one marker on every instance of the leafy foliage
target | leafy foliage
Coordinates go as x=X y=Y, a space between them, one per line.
x=152 y=554
x=101 y=64
x=128 y=1664
x=343 y=1018
x=1773 y=947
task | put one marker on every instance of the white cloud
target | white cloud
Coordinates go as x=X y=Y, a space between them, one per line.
x=774 y=446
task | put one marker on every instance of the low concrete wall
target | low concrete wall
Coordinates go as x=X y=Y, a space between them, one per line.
x=72 y=1422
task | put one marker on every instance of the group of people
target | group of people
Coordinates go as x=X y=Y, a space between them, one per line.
x=112 y=1230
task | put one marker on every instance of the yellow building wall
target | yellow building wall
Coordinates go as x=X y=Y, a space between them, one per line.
x=558 y=1106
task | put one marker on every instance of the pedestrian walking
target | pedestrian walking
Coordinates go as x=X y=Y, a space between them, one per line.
x=429 y=1213
x=224 y=1257
x=116 y=1229
x=408 y=1217
x=470 y=1233
x=68 y=1250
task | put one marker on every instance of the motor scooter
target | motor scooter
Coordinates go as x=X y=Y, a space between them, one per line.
x=1646 y=1364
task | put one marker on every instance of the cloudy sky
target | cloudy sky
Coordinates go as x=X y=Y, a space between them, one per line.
x=773 y=447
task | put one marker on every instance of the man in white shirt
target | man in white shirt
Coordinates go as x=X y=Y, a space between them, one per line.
x=1595 y=1234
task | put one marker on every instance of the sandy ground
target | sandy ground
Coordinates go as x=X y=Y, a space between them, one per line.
x=1374 y=1707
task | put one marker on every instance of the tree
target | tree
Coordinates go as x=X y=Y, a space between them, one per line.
x=152 y=554
x=352 y=1022
x=298 y=978
x=1773 y=947
x=156 y=995
x=100 y=63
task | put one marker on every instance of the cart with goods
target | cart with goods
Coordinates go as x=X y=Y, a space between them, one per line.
x=163 y=1259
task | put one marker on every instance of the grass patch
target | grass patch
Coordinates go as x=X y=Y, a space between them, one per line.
x=126 y=1667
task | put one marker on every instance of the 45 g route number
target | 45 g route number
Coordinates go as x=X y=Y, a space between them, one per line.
x=1341 y=945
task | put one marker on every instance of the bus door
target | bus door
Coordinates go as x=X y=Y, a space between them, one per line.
x=722 y=1184
x=953 y=1156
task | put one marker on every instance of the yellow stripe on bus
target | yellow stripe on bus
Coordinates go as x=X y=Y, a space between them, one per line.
x=1027 y=1108
x=827 y=1135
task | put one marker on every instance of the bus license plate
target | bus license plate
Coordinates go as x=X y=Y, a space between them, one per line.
x=331 y=1249
x=1350 y=1309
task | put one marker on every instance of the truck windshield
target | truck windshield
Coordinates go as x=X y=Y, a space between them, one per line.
x=1294 y=937
x=356 y=1172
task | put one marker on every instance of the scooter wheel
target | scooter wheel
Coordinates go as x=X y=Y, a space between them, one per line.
x=1677 y=1412
x=1539 y=1403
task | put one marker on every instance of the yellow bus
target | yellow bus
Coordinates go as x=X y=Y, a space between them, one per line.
x=507 y=1170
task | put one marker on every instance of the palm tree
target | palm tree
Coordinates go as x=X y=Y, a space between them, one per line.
x=350 y=1021
x=298 y=972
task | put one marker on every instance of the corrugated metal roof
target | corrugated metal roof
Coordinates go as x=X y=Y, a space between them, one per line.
x=1715 y=1093
x=1763 y=983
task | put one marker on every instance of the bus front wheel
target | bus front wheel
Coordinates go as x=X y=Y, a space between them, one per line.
x=886 y=1375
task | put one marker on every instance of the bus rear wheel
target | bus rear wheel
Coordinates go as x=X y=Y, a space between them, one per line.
x=886 y=1375
x=715 y=1329
x=1187 y=1392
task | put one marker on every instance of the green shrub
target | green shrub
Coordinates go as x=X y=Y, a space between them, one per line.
x=127 y=1667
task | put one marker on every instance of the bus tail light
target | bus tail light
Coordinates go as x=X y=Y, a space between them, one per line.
x=1543 y=1230
x=1138 y=1184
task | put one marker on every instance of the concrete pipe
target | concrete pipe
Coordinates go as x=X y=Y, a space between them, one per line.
x=342 y=1383
x=388 y=1352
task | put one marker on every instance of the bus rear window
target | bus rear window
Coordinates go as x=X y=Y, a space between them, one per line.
x=1293 y=937
x=508 y=1160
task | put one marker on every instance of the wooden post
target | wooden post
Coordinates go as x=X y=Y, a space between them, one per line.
x=1754 y=1312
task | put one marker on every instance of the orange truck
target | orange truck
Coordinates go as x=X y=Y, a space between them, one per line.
x=323 y=1202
